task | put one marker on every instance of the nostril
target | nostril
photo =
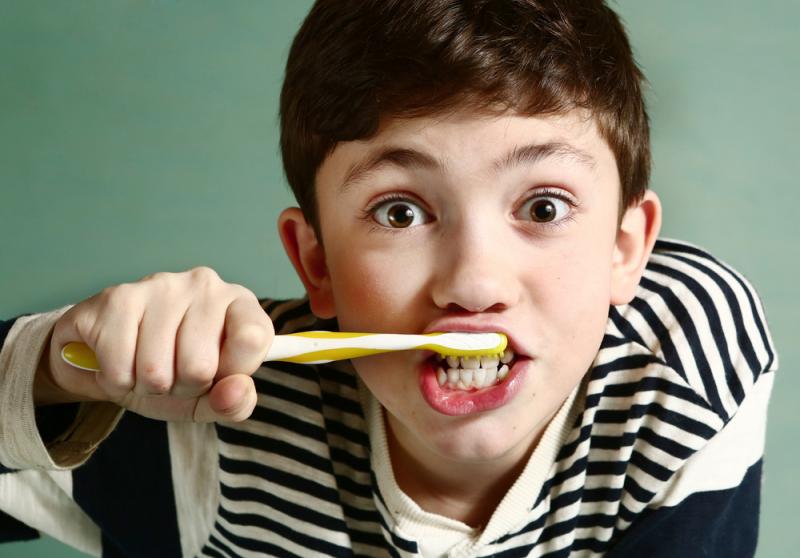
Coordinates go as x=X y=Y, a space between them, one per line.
x=460 y=310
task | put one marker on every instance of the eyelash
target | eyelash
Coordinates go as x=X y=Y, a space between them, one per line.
x=558 y=194
x=368 y=213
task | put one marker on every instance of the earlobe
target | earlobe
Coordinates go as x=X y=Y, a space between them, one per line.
x=308 y=258
x=636 y=237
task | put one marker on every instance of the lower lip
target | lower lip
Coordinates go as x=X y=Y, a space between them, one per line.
x=457 y=403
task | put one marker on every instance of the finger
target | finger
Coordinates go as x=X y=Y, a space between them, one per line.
x=68 y=377
x=247 y=337
x=231 y=399
x=107 y=323
x=197 y=349
x=116 y=354
x=155 y=349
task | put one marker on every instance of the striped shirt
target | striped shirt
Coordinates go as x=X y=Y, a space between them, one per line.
x=657 y=452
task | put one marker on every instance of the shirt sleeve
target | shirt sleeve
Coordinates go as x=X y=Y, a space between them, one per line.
x=706 y=323
x=711 y=505
x=35 y=484
x=21 y=443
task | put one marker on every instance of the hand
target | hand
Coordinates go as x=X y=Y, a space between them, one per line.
x=171 y=346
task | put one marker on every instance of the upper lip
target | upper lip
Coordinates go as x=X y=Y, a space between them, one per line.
x=471 y=325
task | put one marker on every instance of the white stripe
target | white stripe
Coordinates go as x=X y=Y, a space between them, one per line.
x=193 y=462
x=43 y=500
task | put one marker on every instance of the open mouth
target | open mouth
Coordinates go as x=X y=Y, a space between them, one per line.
x=472 y=373
x=458 y=386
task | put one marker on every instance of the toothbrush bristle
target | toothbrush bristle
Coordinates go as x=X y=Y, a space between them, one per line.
x=461 y=345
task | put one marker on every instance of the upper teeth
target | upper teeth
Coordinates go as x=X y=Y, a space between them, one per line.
x=471 y=362
x=474 y=372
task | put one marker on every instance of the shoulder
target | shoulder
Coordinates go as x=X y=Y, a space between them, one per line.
x=704 y=320
x=293 y=315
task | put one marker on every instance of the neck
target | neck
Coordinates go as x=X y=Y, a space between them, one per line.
x=465 y=491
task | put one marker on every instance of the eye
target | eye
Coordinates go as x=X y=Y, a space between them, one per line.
x=399 y=214
x=545 y=207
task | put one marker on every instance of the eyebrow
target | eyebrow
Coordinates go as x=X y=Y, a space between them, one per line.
x=407 y=158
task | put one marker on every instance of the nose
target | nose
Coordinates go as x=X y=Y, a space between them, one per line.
x=476 y=271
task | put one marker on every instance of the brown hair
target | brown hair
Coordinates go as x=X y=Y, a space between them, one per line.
x=354 y=62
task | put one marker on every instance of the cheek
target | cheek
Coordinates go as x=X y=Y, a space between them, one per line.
x=574 y=300
x=375 y=291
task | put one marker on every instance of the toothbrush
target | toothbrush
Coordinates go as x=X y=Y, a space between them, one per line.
x=316 y=347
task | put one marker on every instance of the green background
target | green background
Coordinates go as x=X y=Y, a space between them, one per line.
x=138 y=136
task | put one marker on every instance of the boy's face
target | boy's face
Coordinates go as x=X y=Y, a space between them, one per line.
x=473 y=222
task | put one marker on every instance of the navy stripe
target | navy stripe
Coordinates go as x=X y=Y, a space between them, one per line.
x=255 y=545
x=624 y=364
x=302 y=512
x=282 y=530
x=665 y=344
x=292 y=481
x=398 y=542
x=353 y=435
x=5 y=327
x=129 y=476
x=648 y=435
x=302 y=428
x=625 y=327
x=294 y=453
x=657 y=410
x=13 y=530
x=275 y=388
x=661 y=385
x=329 y=373
x=301 y=310
x=274 y=445
x=611 y=341
x=211 y=551
x=222 y=546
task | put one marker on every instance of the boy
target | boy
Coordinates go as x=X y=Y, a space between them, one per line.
x=460 y=166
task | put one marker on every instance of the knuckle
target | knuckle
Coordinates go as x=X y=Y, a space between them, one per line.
x=204 y=275
x=151 y=376
x=163 y=282
x=198 y=370
x=158 y=276
x=118 y=298
x=243 y=292
x=251 y=336
x=116 y=380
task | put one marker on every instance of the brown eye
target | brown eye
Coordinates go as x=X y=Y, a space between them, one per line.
x=543 y=211
x=545 y=208
x=400 y=214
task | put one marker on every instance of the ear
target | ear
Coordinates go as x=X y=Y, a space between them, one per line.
x=308 y=258
x=636 y=237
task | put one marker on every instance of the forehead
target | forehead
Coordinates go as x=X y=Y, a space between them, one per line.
x=467 y=142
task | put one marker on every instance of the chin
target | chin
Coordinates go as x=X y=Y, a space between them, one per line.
x=477 y=439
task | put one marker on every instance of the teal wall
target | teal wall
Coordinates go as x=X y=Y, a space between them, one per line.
x=142 y=136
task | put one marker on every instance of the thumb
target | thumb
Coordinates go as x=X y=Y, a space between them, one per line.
x=231 y=399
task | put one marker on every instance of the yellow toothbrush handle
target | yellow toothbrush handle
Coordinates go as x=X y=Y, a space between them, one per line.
x=81 y=356
x=295 y=347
